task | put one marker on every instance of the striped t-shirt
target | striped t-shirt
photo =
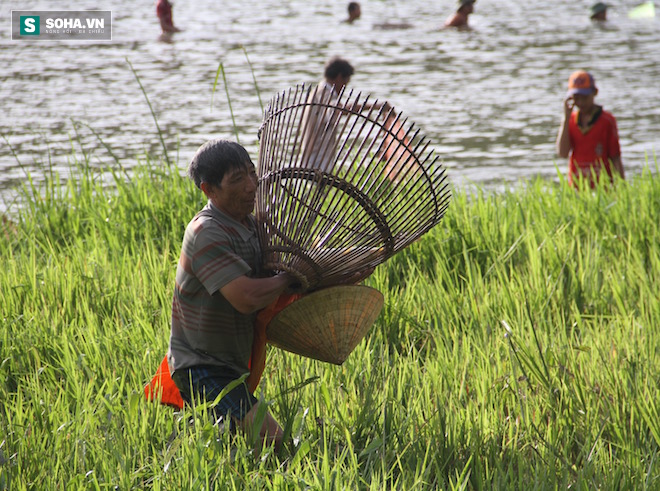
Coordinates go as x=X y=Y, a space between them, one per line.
x=206 y=329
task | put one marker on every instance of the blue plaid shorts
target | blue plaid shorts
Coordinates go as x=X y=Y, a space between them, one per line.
x=207 y=382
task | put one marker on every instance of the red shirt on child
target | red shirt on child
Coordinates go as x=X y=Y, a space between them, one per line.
x=592 y=147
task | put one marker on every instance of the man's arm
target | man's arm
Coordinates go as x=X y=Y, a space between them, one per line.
x=456 y=20
x=618 y=166
x=563 y=137
x=248 y=295
x=614 y=148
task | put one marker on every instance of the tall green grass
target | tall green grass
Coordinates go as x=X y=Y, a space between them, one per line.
x=518 y=348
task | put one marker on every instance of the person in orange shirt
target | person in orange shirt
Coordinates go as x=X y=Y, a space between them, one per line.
x=588 y=137
x=460 y=17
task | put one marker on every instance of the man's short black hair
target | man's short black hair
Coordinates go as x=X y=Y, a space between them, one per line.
x=214 y=159
x=464 y=4
x=338 y=66
x=352 y=6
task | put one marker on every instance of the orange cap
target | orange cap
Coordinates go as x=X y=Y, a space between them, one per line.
x=581 y=82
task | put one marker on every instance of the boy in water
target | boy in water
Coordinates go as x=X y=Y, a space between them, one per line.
x=588 y=136
x=164 y=13
x=460 y=17
x=354 y=12
x=319 y=123
x=599 y=12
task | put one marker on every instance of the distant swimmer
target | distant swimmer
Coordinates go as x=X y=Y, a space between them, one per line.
x=164 y=13
x=599 y=12
x=460 y=18
x=354 y=12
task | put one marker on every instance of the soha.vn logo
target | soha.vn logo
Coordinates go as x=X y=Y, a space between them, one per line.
x=69 y=25
x=30 y=25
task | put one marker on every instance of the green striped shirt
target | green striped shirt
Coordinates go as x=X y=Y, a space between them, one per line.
x=206 y=329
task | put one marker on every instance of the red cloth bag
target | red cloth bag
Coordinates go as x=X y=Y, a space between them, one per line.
x=258 y=356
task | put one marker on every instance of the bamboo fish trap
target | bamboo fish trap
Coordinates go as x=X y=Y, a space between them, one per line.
x=327 y=324
x=344 y=184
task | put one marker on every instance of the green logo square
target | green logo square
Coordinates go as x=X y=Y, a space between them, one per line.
x=29 y=25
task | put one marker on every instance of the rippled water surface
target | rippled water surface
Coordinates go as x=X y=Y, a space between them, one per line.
x=489 y=99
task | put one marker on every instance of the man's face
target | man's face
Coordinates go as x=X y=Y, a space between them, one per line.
x=584 y=102
x=237 y=192
x=340 y=82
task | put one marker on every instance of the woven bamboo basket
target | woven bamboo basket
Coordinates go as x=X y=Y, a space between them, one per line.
x=344 y=184
x=328 y=324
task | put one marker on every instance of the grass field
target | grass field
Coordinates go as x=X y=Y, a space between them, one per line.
x=519 y=348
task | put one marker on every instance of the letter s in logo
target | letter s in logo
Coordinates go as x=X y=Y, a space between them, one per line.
x=29 y=25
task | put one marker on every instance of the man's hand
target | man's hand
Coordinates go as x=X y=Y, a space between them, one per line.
x=563 y=143
x=569 y=104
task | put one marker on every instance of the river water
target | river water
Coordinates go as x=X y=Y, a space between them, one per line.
x=489 y=99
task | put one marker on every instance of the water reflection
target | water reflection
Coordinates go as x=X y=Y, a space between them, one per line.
x=489 y=99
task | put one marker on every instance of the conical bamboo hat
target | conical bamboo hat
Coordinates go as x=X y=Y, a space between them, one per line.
x=327 y=324
x=344 y=184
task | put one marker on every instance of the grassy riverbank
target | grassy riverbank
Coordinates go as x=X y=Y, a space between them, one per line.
x=519 y=348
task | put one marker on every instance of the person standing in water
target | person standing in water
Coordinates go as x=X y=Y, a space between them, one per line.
x=354 y=12
x=319 y=122
x=599 y=12
x=164 y=13
x=588 y=137
x=460 y=17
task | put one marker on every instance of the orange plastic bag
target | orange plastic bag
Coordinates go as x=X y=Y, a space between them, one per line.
x=162 y=385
